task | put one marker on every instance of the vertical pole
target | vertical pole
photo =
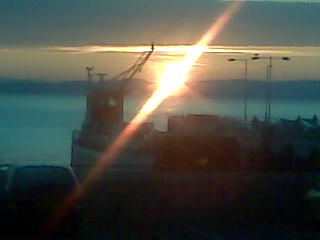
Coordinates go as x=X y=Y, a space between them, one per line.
x=269 y=95
x=245 y=89
x=87 y=121
x=88 y=85
x=89 y=80
x=266 y=117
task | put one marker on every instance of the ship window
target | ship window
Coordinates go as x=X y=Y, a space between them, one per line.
x=112 y=102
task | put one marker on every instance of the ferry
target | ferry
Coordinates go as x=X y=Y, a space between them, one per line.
x=203 y=165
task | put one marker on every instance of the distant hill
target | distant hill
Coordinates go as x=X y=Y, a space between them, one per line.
x=43 y=87
x=300 y=90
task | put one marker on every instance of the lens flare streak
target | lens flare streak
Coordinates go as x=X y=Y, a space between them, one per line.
x=176 y=74
x=173 y=78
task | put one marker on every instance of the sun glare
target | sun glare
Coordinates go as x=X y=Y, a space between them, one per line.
x=170 y=80
x=175 y=74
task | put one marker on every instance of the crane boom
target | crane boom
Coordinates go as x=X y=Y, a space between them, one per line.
x=126 y=76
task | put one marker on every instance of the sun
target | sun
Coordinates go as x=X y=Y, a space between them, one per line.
x=172 y=78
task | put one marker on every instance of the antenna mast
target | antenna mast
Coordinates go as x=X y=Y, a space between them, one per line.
x=90 y=76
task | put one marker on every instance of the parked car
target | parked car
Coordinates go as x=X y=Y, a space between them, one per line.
x=31 y=200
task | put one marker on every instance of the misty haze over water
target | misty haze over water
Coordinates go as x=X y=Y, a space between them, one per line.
x=38 y=128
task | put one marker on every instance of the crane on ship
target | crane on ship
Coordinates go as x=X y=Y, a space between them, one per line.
x=126 y=76
x=105 y=99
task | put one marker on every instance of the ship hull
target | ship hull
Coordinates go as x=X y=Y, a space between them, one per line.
x=139 y=192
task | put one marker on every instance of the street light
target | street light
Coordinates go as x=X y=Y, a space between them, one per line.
x=268 y=80
x=245 y=88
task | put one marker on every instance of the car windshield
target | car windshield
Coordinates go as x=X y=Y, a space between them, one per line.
x=42 y=183
x=172 y=118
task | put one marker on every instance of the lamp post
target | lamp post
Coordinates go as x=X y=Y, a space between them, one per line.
x=268 y=82
x=245 y=85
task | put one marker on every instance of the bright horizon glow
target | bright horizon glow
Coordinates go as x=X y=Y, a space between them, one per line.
x=16 y=64
x=180 y=49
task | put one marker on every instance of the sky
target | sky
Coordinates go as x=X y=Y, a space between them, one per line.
x=56 y=40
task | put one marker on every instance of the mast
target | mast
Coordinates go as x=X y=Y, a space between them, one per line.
x=105 y=103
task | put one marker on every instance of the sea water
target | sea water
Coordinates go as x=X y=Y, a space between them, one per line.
x=38 y=128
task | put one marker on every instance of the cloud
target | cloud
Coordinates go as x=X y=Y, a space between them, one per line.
x=282 y=1
x=68 y=63
x=173 y=52
x=82 y=22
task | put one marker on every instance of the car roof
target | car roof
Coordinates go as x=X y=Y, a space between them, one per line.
x=4 y=166
x=22 y=165
x=11 y=169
